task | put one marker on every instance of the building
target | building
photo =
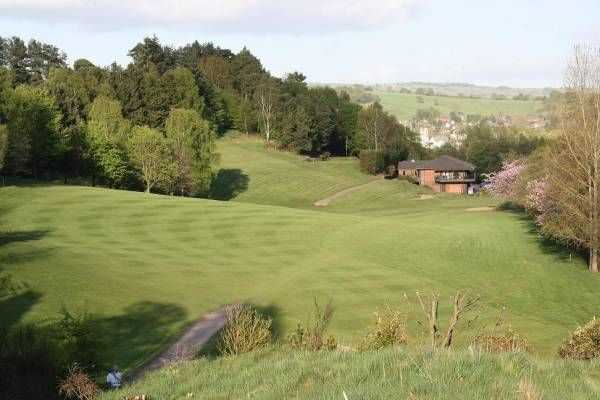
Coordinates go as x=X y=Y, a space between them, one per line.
x=444 y=174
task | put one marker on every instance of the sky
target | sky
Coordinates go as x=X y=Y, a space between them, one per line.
x=505 y=42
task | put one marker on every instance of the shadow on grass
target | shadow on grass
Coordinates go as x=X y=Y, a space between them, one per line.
x=274 y=313
x=547 y=244
x=16 y=299
x=140 y=331
x=8 y=237
x=228 y=184
x=22 y=254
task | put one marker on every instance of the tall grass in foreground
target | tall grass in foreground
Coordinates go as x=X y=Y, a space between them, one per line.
x=279 y=373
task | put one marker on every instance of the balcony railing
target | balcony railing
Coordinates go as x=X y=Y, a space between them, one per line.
x=457 y=178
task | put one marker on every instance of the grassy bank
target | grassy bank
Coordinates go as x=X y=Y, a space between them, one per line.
x=279 y=374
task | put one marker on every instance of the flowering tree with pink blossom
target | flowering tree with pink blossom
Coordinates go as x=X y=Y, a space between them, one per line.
x=536 y=201
x=504 y=183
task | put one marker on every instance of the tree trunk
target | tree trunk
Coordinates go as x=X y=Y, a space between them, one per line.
x=593 y=262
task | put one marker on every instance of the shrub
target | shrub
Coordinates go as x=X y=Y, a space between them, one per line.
x=30 y=362
x=389 y=330
x=391 y=172
x=584 y=343
x=325 y=156
x=33 y=358
x=79 y=338
x=372 y=162
x=244 y=331
x=78 y=385
x=314 y=336
x=508 y=341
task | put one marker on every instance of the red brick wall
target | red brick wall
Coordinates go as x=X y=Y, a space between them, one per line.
x=459 y=188
x=427 y=177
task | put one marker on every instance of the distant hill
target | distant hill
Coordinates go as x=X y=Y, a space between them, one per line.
x=467 y=89
x=405 y=105
x=454 y=89
x=404 y=99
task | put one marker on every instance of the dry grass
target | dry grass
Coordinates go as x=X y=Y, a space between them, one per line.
x=508 y=341
x=528 y=391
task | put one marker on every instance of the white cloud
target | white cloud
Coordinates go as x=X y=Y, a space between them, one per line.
x=308 y=16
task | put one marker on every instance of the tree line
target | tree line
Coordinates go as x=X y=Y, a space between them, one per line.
x=559 y=184
x=153 y=123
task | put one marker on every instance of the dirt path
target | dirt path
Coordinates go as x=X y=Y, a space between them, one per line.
x=187 y=346
x=325 y=202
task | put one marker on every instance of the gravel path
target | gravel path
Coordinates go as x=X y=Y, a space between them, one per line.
x=187 y=346
x=325 y=202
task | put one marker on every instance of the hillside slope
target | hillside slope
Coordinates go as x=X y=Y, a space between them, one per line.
x=147 y=265
x=252 y=173
x=388 y=374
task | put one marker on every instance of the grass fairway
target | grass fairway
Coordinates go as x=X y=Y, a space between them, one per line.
x=252 y=173
x=404 y=106
x=147 y=265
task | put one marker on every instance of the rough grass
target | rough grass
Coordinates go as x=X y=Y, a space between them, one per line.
x=386 y=374
x=147 y=265
x=404 y=106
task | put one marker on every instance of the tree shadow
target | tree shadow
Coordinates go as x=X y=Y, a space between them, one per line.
x=274 y=313
x=16 y=300
x=228 y=184
x=8 y=237
x=142 y=330
x=547 y=244
x=23 y=253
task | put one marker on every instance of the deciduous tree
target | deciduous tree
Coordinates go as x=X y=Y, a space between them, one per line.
x=33 y=125
x=107 y=132
x=150 y=153
x=573 y=173
x=266 y=97
x=191 y=147
x=3 y=148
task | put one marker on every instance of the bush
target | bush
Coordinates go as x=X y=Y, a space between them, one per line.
x=79 y=338
x=30 y=363
x=314 y=336
x=389 y=330
x=584 y=343
x=244 y=331
x=372 y=162
x=325 y=156
x=78 y=385
x=34 y=358
x=391 y=172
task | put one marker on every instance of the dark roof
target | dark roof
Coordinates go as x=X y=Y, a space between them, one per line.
x=410 y=164
x=443 y=163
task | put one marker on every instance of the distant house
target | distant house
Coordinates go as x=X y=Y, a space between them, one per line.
x=444 y=174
